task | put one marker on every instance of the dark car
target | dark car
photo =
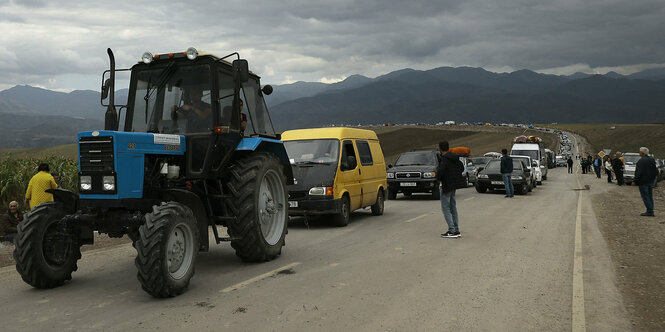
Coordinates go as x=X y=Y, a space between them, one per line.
x=490 y=177
x=414 y=172
x=475 y=165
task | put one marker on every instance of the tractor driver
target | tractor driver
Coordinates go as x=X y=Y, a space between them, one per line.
x=198 y=112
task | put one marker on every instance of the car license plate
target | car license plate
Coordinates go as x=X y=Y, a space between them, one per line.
x=407 y=184
x=293 y=203
x=497 y=182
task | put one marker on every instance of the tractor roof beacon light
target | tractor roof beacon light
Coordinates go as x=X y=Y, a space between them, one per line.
x=192 y=53
x=147 y=57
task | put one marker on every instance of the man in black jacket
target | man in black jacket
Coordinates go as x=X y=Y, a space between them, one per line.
x=507 y=172
x=617 y=166
x=449 y=174
x=645 y=177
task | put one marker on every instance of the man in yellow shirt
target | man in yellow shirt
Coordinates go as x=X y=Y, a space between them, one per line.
x=36 y=193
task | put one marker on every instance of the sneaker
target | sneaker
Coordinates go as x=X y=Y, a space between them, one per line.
x=450 y=234
x=646 y=214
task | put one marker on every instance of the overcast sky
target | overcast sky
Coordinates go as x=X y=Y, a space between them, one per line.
x=61 y=44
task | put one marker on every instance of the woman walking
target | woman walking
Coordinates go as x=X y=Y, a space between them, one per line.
x=608 y=169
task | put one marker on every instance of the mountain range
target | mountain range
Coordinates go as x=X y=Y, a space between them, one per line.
x=34 y=117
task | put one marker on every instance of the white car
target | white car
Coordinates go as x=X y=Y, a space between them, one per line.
x=533 y=167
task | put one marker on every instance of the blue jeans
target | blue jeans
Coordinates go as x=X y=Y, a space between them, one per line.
x=508 y=182
x=449 y=208
x=646 y=191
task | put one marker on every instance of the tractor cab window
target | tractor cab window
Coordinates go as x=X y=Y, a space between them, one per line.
x=172 y=100
x=258 y=120
x=225 y=83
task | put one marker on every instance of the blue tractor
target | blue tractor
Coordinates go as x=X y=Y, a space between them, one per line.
x=195 y=149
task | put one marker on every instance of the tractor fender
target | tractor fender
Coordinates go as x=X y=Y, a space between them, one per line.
x=276 y=147
x=68 y=198
x=193 y=202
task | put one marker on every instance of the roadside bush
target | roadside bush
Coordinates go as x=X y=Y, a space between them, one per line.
x=15 y=175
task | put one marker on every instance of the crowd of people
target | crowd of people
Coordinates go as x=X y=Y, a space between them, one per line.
x=646 y=173
x=35 y=195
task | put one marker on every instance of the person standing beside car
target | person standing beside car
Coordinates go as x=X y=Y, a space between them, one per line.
x=506 y=172
x=617 y=167
x=449 y=174
x=608 y=169
x=645 y=177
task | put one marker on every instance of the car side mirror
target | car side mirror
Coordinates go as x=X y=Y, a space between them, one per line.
x=390 y=165
x=534 y=164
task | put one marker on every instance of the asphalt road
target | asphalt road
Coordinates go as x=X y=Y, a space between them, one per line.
x=512 y=269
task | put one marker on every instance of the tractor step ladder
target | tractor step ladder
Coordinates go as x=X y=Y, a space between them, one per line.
x=219 y=199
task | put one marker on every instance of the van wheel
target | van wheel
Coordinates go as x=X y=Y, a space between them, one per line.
x=377 y=208
x=342 y=219
x=392 y=194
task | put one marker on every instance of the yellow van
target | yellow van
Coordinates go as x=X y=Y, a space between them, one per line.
x=337 y=170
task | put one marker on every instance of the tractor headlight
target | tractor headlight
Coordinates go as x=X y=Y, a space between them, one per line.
x=429 y=175
x=146 y=57
x=321 y=191
x=192 y=53
x=109 y=182
x=391 y=175
x=85 y=182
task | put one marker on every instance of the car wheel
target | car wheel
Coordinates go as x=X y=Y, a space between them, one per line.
x=480 y=188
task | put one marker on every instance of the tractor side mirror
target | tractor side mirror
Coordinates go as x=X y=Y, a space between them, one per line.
x=241 y=70
x=105 y=88
x=267 y=90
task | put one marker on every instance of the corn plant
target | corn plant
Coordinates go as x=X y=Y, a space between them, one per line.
x=15 y=174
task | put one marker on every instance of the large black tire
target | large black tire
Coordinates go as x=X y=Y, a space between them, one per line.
x=36 y=242
x=392 y=194
x=342 y=218
x=167 y=249
x=377 y=207
x=258 y=186
x=480 y=188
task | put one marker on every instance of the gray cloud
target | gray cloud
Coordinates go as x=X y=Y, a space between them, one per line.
x=295 y=40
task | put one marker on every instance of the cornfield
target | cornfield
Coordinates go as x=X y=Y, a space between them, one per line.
x=15 y=174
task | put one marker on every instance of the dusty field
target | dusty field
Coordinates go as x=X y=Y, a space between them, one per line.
x=101 y=241
x=637 y=247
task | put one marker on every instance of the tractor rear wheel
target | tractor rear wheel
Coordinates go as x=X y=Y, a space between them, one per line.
x=45 y=255
x=167 y=249
x=258 y=186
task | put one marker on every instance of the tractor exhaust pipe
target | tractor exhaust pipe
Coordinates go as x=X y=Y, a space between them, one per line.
x=111 y=116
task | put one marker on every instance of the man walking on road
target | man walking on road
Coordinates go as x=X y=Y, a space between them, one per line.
x=506 y=172
x=645 y=177
x=570 y=165
x=449 y=174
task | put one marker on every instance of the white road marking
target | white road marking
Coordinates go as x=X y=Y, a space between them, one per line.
x=257 y=278
x=470 y=198
x=418 y=217
x=579 y=320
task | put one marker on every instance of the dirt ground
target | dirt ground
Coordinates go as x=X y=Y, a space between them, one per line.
x=101 y=241
x=637 y=247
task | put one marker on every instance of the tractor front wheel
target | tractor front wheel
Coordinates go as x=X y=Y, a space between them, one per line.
x=45 y=254
x=258 y=188
x=167 y=249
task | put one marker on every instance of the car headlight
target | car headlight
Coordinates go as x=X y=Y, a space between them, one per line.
x=483 y=176
x=85 y=182
x=391 y=175
x=516 y=177
x=109 y=182
x=429 y=175
x=321 y=191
